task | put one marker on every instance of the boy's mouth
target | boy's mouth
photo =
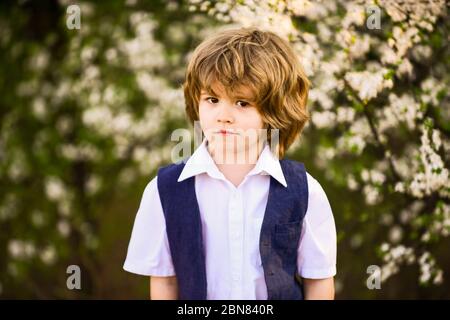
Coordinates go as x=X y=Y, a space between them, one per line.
x=225 y=132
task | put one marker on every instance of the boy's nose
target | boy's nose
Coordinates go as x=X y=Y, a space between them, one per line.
x=225 y=115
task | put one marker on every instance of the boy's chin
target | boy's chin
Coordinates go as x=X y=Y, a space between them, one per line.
x=232 y=152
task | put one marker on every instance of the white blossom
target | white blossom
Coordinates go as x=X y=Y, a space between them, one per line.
x=395 y=234
x=345 y=114
x=20 y=249
x=64 y=228
x=368 y=84
x=323 y=119
x=48 y=255
x=394 y=257
x=54 y=188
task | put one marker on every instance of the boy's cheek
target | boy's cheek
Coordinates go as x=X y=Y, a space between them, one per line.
x=203 y=113
x=206 y=120
x=203 y=123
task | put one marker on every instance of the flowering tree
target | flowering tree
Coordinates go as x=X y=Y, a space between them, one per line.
x=380 y=104
x=86 y=117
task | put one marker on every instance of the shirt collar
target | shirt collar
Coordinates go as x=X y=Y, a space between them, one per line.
x=202 y=162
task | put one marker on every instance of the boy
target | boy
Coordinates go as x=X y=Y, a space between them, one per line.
x=261 y=228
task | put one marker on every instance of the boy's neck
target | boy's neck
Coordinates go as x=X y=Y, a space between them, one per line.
x=236 y=172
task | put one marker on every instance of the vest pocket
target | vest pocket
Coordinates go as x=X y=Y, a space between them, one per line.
x=287 y=234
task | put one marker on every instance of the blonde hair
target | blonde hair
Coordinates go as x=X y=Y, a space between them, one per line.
x=260 y=61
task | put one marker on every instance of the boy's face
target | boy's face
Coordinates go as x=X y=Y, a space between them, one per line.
x=232 y=125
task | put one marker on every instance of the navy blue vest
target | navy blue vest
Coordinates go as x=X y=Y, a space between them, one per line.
x=279 y=238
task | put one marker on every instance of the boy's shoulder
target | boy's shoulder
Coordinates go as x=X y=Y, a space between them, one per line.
x=168 y=174
x=171 y=169
x=314 y=187
x=292 y=169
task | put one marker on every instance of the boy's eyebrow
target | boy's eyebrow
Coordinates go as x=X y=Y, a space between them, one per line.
x=249 y=97
x=206 y=91
x=244 y=97
x=237 y=96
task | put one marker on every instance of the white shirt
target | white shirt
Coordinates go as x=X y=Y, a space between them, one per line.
x=231 y=222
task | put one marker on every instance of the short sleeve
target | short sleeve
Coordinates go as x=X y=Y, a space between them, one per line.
x=148 y=251
x=316 y=255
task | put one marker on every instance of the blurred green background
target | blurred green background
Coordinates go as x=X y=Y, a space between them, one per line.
x=85 y=121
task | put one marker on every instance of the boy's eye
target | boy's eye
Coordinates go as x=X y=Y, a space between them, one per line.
x=240 y=103
x=243 y=103
x=212 y=99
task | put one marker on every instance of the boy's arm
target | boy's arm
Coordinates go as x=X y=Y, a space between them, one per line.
x=163 y=288
x=318 y=289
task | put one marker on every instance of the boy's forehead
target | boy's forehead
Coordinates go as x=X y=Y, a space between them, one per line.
x=219 y=89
